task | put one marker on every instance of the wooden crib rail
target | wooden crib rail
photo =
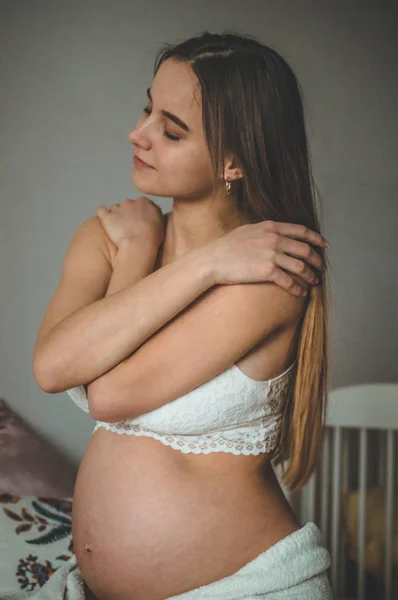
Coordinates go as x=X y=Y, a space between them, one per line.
x=355 y=475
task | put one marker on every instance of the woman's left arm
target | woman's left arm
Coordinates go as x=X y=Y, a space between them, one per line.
x=129 y=268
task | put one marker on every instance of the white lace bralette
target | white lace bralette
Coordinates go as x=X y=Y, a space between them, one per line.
x=230 y=413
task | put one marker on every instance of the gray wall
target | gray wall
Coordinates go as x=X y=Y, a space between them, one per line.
x=73 y=79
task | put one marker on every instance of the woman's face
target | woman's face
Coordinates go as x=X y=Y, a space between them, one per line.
x=181 y=167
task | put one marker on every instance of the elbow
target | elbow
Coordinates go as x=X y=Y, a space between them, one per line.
x=98 y=407
x=46 y=379
x=47 y=383
x=42 y=376
x=102 y=403
x=93 y=396
x=44 y=372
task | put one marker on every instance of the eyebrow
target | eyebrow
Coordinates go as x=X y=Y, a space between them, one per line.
x=170 y=116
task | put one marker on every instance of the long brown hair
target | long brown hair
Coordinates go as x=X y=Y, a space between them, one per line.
x=252 y=107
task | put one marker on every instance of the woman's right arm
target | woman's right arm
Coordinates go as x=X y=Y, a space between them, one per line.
x=93 y=339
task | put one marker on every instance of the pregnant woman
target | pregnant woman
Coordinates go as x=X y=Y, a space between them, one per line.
x=198 y=342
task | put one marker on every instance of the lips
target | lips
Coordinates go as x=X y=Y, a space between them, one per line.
x=145 y=163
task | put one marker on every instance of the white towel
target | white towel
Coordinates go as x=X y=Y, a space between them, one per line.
x=295 y=568
x=65 y=584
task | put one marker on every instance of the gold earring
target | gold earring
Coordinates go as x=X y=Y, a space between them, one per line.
x=228 y=186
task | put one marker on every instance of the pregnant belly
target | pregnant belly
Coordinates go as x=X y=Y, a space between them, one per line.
x=150 y=522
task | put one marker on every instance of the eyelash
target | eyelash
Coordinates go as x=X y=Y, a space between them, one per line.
x=171 y=137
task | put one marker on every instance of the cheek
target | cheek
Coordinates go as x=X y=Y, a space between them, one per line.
x=185 y=164
x=190 y=173
x=182 y=169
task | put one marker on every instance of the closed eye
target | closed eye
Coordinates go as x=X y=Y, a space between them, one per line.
x=170 y=136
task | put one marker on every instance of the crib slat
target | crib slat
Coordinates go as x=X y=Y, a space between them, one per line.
x=336 y=507
x=343 y=545
x=389 y=512
x=325 y=486
x=362 y=512
x=381 y=472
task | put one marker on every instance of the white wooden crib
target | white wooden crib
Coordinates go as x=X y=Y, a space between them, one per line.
x=353 y=494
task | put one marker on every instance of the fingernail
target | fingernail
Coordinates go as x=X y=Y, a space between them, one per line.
x=326 y=243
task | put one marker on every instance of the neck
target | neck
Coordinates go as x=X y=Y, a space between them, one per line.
x=188 y=227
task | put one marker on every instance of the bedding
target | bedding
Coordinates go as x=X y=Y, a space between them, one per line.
x=35 y=540
x=28 y=464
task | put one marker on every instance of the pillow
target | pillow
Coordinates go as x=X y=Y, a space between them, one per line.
x=28 y=464
x=375 y=512
x=35 y=540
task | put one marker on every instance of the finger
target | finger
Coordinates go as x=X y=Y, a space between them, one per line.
x=302 y=250
x=295 y=231
x=297 y=267
x=287 y=283
x=101 y=209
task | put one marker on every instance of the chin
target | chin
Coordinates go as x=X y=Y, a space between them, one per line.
x=148 y=189
x=139 y=184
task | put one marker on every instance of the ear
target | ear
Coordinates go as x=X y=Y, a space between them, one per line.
x=232 y=169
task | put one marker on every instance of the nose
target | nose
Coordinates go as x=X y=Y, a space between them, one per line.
x=133 y=137
x=139 y=135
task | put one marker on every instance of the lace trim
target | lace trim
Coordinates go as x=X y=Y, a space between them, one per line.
x=239 y=442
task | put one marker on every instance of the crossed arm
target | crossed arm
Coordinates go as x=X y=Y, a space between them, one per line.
x=154 y=336
x=217 y=328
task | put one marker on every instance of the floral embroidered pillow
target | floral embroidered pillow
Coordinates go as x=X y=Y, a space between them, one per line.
x=35 y=540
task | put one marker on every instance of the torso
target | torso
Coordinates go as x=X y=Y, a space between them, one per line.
x=158 y=522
